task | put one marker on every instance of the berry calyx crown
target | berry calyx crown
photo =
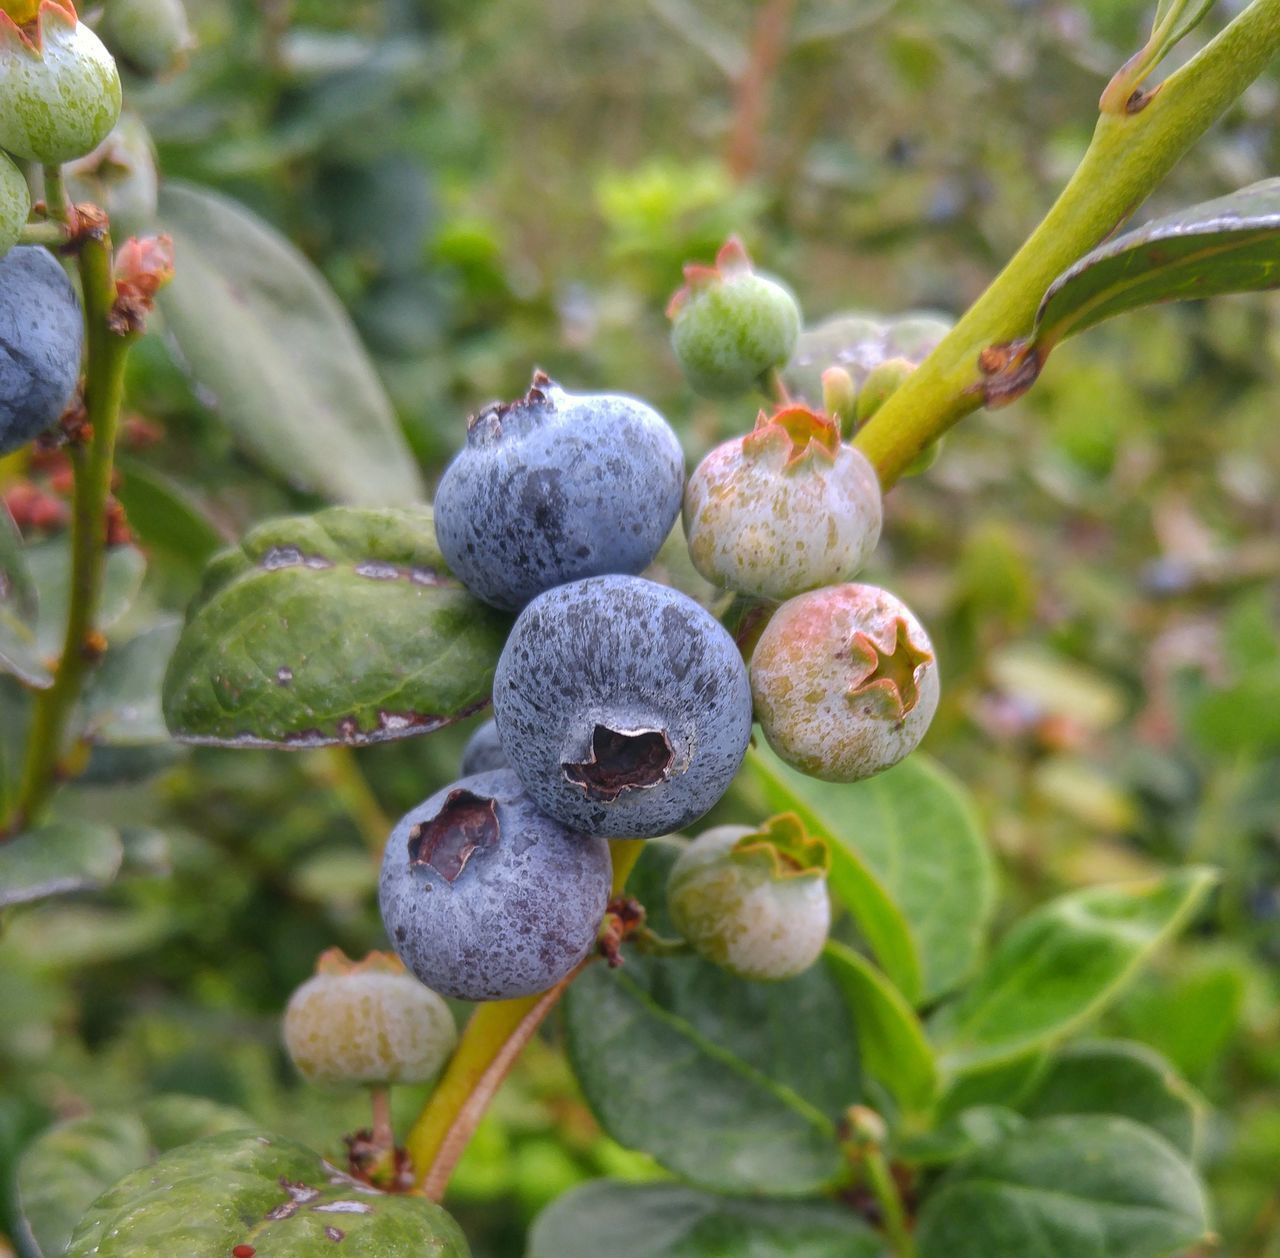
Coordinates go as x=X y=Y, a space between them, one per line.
x=486 y=424
x=785 y=849
x=803 y=434
x=25 y=25
x=889 y=668
x=731 y=262
x=333 y=962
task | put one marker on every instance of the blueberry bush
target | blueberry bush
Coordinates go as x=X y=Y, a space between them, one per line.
x=700 y=806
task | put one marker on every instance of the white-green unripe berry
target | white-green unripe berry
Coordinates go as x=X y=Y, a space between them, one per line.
x=785 y=509
x=59 y=87
x=151 y=37
x=753 y=901
x=730 y=325
x=15 y=204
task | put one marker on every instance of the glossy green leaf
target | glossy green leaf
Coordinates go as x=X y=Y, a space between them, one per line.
x=1062 y=964
x=50 y=564
x=909 y=862
x=165 y=516
x=57 y=858
x=67 y=1166
x=265 y=338
x=339 y=627
x=1228 y=245
x=974 y=1128
x=1071 y=1187
x=1119 y=1077
x=122 y=704
x=733 y=1086
x=203 y=1199
x=891 y=1040
x=671 y=1221
x=19 y=605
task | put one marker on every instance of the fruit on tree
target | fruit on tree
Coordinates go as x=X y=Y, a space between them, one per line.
x=483 y=751
x=556 y=487
x=486 y=898
x=15 y=203
x=753 y=900
x=59 y=86
x=845 y=682
x=120 y=176
x=785 y=509
x=367 y=1022
x=40 y=336
x=730 y=325
x=151 y=37
x=623 y=705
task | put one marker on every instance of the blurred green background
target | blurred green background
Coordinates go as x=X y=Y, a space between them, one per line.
x=490 y=186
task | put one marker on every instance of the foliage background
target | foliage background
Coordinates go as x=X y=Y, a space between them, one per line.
x=503 y=183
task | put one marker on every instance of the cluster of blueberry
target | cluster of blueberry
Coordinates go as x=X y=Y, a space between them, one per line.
x=59 y=98
x=622 y=707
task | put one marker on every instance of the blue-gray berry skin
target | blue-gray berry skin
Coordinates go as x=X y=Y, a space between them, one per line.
x=623 y=706
x=556 y=487
x=483 y=752
x=40 y=336
x=484 y=897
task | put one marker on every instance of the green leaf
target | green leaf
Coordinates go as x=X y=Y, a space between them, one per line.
x=57 y=858
x=166 y=517
x=1119 y=1077
x=19 y=606
x=671 y=1221
x=122 y=703
x=1062 y=965
x=733 y=1086
x=50 y=564
x=1071 y=1187
x=242 y=1188
x=1228 y=245
x=891 y=1040
x=67 y=1166
x=909 y=862
x=339 y=627
x=263 y=335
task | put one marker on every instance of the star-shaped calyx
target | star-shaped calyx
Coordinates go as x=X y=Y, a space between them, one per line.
x=803 y=435
x=620 y=761
x=889 y=669
x=335 y=962
x=468 y=823
x=26 y=22
x=731 y=261
x=784 y=849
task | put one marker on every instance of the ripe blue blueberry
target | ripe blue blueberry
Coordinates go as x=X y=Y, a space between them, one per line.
x=40 y=334
x=483 y=752
x=623 y=706
x=485 y=898
x=556 y=487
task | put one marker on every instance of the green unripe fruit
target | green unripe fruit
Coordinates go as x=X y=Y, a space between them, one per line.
x=730 y=326
x=15 y=204
x=151 y=37
x=59 y=86
x=881 y=381
x=754 y=901
x=367 y=1022
x=120 y=176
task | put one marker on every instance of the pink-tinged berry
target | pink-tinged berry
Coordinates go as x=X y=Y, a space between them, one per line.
x=730 y=325
x=59 y=86
x=785 y=509
x=845 y=682
x=754 y=901
x=367 y=1022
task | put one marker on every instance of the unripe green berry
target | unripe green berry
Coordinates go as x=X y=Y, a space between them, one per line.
x=151 y=37
x=840 y=398
x=881 y=381
x=15 y=204
x=845 y=682
x=59 y=87
x=120 y=176
x=753 y=901
x=367 y=1022
x=731 y=326
x=785 y=509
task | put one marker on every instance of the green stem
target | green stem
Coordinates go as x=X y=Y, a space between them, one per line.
x=52 y=234
x=338 y=769
x=55 y=194
x=490 y=1045
x=1129 y=155
x=104 y=389
x=893 y=1216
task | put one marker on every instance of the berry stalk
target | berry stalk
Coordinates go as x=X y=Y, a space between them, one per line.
x=1129 y=155
x=104 y=388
